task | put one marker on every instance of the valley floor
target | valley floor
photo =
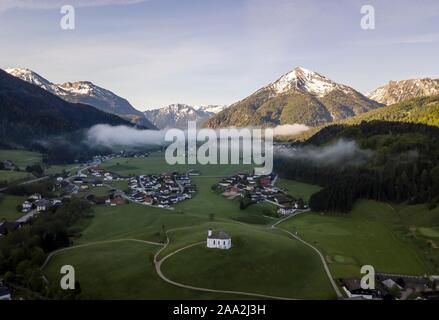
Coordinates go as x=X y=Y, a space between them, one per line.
x=111 y=262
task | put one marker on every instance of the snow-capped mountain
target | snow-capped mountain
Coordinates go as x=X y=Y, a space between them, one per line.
x=178 y=115
x=87 y=93
x=33 y=78
x=306 y=81
x=397 y=91
x=300 y=96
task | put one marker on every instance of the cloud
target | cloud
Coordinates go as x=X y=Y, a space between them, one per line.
x=110 y=136
x=339 y=153
x=55 y=4
x=290 y=129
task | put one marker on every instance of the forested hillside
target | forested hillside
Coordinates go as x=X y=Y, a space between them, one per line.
x=403 y=165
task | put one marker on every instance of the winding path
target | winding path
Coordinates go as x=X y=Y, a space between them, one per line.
x=322 y=258
x=158 y=264
x=94 y=244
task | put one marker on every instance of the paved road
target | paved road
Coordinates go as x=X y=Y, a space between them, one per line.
x=27 y=216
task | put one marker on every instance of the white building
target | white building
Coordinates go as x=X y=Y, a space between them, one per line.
x=286 y=211
x=220 y=240
x=27 y=206
x=42 y=205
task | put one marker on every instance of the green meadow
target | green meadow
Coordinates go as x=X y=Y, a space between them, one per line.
x=8 y=207
x=11 y=176
x=374 y=234
x=263 y=260
x=120 y=270
x=21 y=158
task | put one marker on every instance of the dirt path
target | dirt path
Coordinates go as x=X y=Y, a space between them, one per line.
x=158 y=264
x=322 y=258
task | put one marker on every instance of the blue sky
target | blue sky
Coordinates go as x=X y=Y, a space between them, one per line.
x=158 y=52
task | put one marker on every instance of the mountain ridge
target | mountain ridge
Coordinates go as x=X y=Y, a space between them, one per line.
x=299 y=96
x=398 y=91
x=29 y=112
x=85 y=92
x=177 y=115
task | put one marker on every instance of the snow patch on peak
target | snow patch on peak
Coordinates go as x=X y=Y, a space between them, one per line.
x=33 y=78
x=306 y=81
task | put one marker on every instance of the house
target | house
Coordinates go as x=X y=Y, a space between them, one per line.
x=117 y=201
x=265 y=181
x=26 y=206
x=35 y=197
x=5 y=294
x=148 y=200
x=286 y=211
x=352 y=288
x=220 y=240
x=42 y=205
x=97 y=183
x=390 y=284
x=78 y=180
x=56 y=202
x=8 y=165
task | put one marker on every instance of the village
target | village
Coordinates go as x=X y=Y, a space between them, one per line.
x=392 y=287
x=96 y=185
x=257 y=189
x=162 y=190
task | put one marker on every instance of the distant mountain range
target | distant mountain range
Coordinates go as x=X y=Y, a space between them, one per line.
x=397 y=91
x=87 y=93
x=29 y=113
x=300 y=96
x=178 y=115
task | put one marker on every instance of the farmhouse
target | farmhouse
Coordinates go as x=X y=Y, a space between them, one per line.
x=42 y=205
x=220 y=240
x=352 y=288
x=26 y=206
x=286 y=211
x=8 y=165
x=35 y=196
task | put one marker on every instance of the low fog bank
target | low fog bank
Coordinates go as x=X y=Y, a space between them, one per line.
x=341 y=152
x=111 y=136
x=290 y=129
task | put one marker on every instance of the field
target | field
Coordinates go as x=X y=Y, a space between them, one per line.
x=8 y=207
x=11 y=176
x=264 y=260
x=371 y=234
x=21 y=158
x=120 y=270
x=275 y=253
x=298 y=189
x=58 y=169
